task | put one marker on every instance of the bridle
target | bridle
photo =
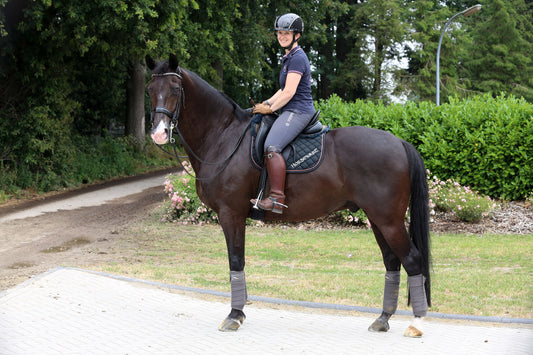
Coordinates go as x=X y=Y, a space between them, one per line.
x=174 y=116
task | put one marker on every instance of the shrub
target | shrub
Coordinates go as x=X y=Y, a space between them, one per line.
x=465 y=203
x=349 y=218
x=90 y=159
x=184 y=205
x=483 y=142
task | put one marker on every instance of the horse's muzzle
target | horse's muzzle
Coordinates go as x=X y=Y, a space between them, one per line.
x=160 y=134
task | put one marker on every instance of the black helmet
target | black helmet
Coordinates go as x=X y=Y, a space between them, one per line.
x=289 y=22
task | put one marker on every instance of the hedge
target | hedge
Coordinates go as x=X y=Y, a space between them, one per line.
x=483 y=142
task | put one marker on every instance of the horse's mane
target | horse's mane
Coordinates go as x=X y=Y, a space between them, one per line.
x=164 y=67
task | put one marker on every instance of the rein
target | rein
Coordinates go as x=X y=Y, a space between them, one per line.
x=174 y=116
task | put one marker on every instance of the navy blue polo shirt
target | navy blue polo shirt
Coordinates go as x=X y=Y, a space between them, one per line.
x=297 y=62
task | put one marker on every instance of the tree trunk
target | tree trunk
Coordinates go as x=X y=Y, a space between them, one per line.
x=135 y=84
x=378 y=62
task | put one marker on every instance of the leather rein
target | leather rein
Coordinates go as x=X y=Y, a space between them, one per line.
x=174 y=116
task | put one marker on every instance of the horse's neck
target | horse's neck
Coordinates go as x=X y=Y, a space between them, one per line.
x=211 y=125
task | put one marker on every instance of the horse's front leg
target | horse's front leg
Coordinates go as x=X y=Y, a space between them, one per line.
x=234 y=230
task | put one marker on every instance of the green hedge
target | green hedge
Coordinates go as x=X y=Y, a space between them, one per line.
x=89 y=160
x=482 y=142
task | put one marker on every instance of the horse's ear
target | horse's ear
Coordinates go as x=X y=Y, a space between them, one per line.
x=150 y=62
x=173 y=62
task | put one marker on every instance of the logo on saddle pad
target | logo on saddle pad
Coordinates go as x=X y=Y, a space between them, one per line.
x=302 y=155
x=304 y=158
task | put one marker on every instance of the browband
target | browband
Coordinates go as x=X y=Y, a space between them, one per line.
x=166 y=74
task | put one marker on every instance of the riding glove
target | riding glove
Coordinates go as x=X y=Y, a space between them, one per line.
x=262 y=108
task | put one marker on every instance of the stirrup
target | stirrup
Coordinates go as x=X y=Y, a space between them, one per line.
x=277 y=207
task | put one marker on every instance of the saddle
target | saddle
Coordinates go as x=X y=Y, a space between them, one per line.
x=304 y=154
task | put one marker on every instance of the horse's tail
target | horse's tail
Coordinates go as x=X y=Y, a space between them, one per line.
x=419 y=208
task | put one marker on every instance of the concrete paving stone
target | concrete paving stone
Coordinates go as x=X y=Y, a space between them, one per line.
x=72 y=311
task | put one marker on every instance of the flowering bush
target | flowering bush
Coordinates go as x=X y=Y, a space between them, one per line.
x=350 y=218
x=184 y=205
x=451 y=196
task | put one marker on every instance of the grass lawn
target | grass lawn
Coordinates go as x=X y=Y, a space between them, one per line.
x=487 y=275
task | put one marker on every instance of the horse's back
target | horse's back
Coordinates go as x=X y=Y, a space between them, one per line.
x=371 y=163
x=367 y=146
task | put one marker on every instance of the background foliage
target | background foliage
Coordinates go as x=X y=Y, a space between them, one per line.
x=67 y=67
x=482 y=142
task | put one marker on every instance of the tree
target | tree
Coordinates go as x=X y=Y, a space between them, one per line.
x=378 y=23
x=3 y=31
x=64 y=71
x=502 y=50
x=427 y=19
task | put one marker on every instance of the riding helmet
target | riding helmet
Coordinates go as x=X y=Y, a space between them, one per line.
x=289 y=22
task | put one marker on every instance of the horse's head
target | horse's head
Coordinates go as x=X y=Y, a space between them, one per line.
x=166 y=96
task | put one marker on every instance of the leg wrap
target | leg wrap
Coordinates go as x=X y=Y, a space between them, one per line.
x=390 y=294
x=418 y=295
x=238 y=289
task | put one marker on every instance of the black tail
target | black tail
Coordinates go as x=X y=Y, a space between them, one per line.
x=419 y=208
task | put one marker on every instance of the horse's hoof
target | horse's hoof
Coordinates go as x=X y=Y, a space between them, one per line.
x=379 y=326
x=412 y=332
x=231 y=324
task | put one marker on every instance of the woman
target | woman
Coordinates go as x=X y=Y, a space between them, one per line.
x=295 y=103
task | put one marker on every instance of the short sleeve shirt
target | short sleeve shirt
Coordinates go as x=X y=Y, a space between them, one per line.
x=297 y=62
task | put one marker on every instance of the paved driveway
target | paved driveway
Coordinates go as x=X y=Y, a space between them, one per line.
x=73 y=311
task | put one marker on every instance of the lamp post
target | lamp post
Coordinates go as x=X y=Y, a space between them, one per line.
x=465 y=13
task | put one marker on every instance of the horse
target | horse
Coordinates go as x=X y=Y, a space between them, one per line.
x=363 y=168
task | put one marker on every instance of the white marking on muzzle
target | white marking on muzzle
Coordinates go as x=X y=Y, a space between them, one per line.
x=160 y=135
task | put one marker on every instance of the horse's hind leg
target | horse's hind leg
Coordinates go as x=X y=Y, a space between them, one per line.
x=392 y=284
x=397 y=251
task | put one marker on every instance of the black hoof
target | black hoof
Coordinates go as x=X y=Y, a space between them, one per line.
x=379 y=326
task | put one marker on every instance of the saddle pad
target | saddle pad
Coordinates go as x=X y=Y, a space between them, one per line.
x=302 y=155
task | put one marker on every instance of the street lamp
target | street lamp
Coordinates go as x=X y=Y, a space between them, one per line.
x=465 y=13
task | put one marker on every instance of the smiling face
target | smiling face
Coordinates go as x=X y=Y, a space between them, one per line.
x=285 y=38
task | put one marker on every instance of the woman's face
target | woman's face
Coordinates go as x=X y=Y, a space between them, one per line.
x=285 y=38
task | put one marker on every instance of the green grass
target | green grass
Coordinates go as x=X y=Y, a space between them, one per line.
x=488 y=275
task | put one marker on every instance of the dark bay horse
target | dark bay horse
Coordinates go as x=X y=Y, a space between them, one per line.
x=363 y=168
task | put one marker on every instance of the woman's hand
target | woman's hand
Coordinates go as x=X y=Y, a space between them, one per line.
x=262 y=108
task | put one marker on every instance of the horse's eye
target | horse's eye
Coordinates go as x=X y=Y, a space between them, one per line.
x=150 y=90
x=175 y=90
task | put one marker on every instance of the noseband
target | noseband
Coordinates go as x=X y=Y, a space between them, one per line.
x=172 y=115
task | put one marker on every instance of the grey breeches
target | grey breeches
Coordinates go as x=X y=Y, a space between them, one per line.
x=286 y=127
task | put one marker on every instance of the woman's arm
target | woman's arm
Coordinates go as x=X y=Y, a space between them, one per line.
x=274 y=97
x=282 y=97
